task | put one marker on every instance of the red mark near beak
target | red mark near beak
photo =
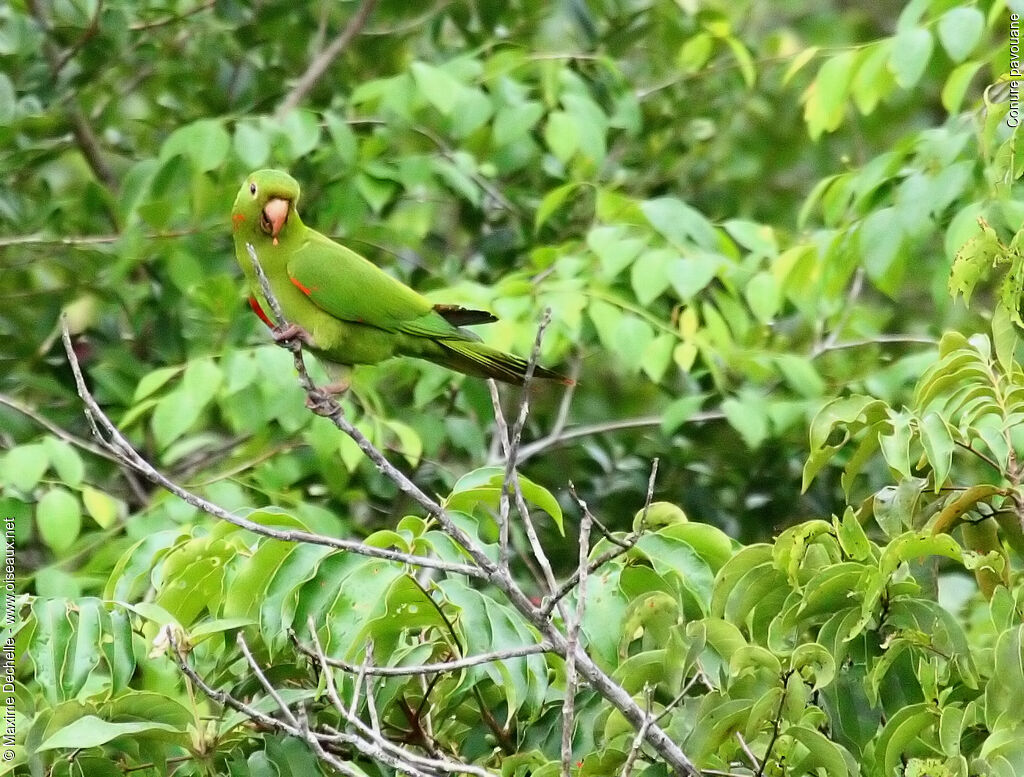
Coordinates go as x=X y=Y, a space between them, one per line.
x=236 y=221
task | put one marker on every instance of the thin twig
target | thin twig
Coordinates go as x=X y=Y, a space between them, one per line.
x=588 y=430
x=80 y=128
x=120 y=447
x=622 y=546
x=371 y=742
x=440 y=666
x=504 y=505
x=614 y=693
x=573 y=639
x=638 y=740
x=324 y=59
x=267 y=686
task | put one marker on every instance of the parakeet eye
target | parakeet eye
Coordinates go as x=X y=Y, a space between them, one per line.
x=252 y=189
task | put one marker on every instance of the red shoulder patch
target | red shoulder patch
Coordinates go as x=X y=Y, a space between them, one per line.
x=301 y=287
x=255 y=305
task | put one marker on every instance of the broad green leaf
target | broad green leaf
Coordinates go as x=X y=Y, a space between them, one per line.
x=955 y=88
x=205 y=142
x=825 y=99
x=102 y=508
x=59 y=519
x=763 y=296
x=679 y=223
x=24 y=465
x=649 y=274
x=301 y=128
x=551 y=202
x=881 y=236
x=251 y=146
x=747 y=416
x=823 y=754
x=90 y=731
x=938 y=446
x=911 y=51
x=899 y=732
x=65 y=460
x=691 y=274
x=438 y=86
x=960 y=30
x=562 y=135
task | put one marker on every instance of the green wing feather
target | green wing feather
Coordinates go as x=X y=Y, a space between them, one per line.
x=349 y=287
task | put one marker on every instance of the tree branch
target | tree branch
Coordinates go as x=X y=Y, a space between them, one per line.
x=324 y=59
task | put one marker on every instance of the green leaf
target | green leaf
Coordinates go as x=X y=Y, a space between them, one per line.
x=90 y=731
x=65 y=460
x=881 y=236
x=763 y=296
x=302 y=130
x=755 y=237
x=800 y=374
x=679 y=223
x=59 y=519
x=822 y=753
x=513 y=122
x=955 y=88
x=911 y=51
x=632 y=336
x=152 y=381
x=101 y=507
x=960 y=30
x=825 y=99
x=441 y=89
x=205 y=142
x=24 y=465
x=251 y=145
x=938 y=447
x=562 y=135
x=747 y=416
x=691 y=274
x=899 y=732
x=551 y=202
x=649 y=274
x=615 y=251
x=484 y=486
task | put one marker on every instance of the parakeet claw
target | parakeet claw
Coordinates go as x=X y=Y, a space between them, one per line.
x=322 y=402
x=292 y=333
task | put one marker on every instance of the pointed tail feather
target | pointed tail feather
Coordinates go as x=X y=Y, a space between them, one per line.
x=482 y=361
x=456 y=315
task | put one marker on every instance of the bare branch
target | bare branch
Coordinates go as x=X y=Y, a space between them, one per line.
x=623 y=546
x=638 y=740
x=573 y=640
x=588 y=430
x=440 y=666
x=80 y=128
x=240 y=639
x=371 y=742
x=119 y=446
x=501 y=579
x=324 y=59
x=504 y=505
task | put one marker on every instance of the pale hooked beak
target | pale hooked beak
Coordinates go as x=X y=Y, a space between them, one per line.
x=275 y=214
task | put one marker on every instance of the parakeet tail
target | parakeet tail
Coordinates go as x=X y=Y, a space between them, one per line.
x=482 y=361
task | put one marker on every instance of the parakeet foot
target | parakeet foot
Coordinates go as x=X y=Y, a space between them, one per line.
x=322 y=402
x=292 y=333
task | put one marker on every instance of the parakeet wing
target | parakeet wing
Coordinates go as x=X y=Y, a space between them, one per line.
x=350 y=287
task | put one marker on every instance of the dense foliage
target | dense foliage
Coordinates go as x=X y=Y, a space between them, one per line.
x=746 y=219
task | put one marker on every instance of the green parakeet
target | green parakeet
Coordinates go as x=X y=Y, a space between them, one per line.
x=344 y=308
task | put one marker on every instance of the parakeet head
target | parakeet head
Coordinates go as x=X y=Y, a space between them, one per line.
x=266 y=204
